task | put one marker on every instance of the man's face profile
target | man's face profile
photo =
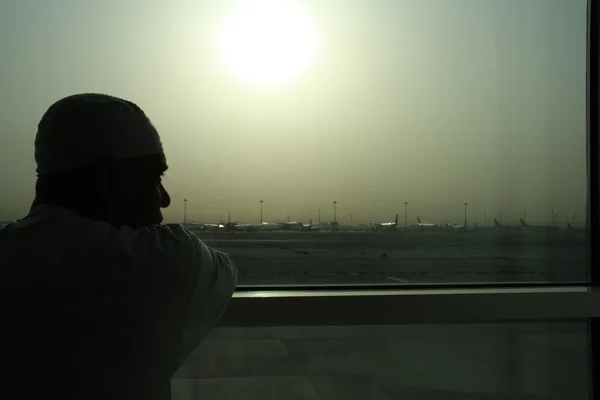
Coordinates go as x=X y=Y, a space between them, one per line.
x=136 y=193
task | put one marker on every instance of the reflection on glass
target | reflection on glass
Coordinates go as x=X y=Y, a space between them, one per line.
x=463 y=361
x=326 y=141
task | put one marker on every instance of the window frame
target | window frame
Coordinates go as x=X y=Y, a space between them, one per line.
x=412 y=306
x=593 y=198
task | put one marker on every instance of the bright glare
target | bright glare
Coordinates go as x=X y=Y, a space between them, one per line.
x=267 y=41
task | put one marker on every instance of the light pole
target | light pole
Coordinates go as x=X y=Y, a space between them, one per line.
x=261 y=219
x=334 y=211
x=406 y=214
x=229 y=217
x=466 y=204
x=184 y=211
x=351 y=217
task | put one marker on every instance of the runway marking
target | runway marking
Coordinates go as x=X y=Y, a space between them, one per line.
x=397 y=279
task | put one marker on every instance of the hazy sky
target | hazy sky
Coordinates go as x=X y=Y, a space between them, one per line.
x=434 y=102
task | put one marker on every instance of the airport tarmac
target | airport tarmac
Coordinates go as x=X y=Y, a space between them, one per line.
x=289 y=258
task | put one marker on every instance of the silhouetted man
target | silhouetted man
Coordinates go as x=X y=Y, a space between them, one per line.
x=100 y=301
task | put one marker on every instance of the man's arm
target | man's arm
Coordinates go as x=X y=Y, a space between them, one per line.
x=186 y=288
x=214 y=287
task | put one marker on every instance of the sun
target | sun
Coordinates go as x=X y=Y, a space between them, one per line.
x=267 y=42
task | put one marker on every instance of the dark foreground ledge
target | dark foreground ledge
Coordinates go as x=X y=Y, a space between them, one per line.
x=384 y=306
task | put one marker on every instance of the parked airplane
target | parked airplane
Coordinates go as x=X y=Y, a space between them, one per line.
x=387 y=226
x=526 y=226
x=234 y=226
x=300 y=226
x=572 y=228
x=269 y=226
x=296 y=226
x=288 y=225
x=423 y=225
x=214 y=227
x=456 y=227
x=499 y=226
x=265 y=226
x=193 y=226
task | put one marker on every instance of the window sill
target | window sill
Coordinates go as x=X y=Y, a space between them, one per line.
x=345 y=306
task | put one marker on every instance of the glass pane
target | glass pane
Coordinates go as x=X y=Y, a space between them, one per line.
x=441 y=362
x=330 y=141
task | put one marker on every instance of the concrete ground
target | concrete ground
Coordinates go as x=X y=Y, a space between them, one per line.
x=465 y=361
x=287 y=258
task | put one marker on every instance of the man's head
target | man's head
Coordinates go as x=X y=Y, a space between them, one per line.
x=101 y=157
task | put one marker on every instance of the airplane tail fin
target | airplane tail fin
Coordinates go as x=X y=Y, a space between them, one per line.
x=310 y=222
x=569 y=226
x=419 y=220
x=523 y=223
x=497 y=224
x=396 y=220
x=476 y=226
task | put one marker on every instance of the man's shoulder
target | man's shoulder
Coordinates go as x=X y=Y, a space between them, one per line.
x=165 y=238
x=52 y=232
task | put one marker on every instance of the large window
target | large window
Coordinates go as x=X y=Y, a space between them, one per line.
x=381 y=143
x=344 y=141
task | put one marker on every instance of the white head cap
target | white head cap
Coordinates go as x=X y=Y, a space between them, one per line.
x=83 y=129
